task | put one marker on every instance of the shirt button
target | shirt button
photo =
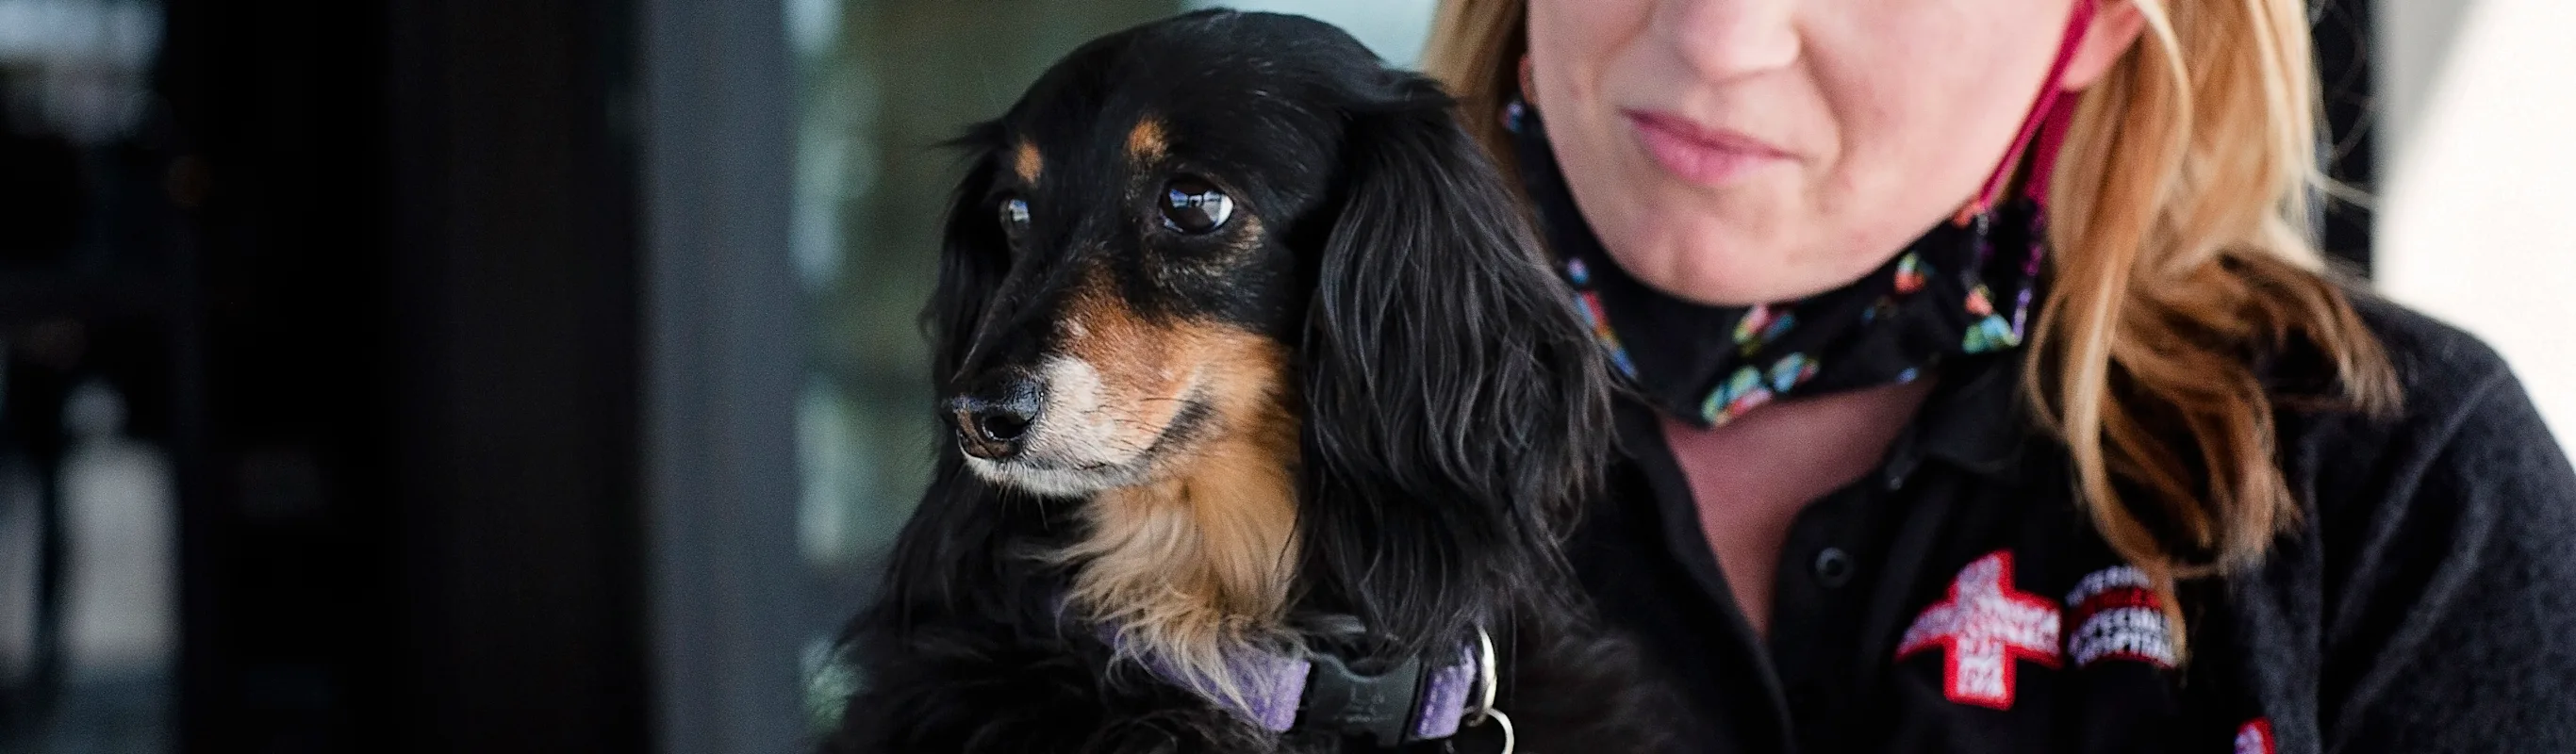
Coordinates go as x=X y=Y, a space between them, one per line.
x=1834 y=567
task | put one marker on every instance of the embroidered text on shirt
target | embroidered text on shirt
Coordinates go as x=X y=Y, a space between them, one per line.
x=1984 y=625
x=2118 y=617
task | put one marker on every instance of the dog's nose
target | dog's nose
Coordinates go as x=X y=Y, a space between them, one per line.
x=994 y=427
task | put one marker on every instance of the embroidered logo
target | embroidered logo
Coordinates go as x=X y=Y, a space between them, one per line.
x=1984 y=625
x=2118 y=617
x=2255 y=737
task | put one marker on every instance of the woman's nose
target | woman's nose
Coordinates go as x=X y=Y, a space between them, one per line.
x=1724 y=39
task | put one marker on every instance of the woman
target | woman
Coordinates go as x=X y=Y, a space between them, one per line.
x=1987 y=396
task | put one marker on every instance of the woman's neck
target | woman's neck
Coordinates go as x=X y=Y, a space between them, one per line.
x=1751 y=476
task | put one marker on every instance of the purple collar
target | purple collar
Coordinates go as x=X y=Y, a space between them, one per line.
x=1404 y=703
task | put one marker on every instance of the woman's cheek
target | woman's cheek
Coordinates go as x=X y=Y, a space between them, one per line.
x=1571 y=42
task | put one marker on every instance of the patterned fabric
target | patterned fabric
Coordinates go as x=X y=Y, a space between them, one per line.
x=1947 y=294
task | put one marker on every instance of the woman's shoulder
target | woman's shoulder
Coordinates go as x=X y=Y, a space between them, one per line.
x=2462 y=466
x=2442 y=538
x=2439 y=374
x=2431 y=358
x=2459 y=408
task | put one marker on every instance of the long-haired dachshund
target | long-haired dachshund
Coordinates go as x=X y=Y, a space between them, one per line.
x=1268 y=419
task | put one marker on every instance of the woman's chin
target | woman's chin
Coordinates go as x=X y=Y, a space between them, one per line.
x=1716 y=269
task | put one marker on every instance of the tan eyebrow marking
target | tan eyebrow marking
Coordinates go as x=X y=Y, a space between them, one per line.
x=1028 y=163
x=1145 y=142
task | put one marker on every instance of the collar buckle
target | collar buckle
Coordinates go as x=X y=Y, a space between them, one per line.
x=1380 y=705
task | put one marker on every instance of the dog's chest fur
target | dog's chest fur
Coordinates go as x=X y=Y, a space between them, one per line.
x=1198 y=566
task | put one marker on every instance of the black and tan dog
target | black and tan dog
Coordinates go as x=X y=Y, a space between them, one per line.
x=1268 y=417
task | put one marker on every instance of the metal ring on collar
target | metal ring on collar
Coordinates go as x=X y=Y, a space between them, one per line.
x=1492 y=680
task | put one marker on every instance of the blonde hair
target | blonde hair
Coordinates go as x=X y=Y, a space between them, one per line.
x=2179 y=260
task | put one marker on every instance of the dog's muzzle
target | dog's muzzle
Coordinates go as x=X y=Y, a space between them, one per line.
x=994 y=424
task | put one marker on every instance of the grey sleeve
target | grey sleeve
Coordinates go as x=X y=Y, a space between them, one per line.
x=2453 y=624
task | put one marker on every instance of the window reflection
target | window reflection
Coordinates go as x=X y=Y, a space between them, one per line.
x=88 y=591
x=88 y=506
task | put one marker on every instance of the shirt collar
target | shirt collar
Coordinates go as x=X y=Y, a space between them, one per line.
x=1974 y=420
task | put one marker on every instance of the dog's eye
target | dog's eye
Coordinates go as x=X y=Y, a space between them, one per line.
x=1192 y=206
x=1015 y=218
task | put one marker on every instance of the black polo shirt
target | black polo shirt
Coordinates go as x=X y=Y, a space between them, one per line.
x=1956 y=599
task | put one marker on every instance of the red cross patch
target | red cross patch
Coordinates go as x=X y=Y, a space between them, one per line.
x=2255 y=737
x=1984 y=626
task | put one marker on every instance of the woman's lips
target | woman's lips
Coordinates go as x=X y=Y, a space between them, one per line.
x=1697 y=154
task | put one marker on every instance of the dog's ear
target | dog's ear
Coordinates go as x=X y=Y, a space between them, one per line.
x=1456 y=405
x=974 y=255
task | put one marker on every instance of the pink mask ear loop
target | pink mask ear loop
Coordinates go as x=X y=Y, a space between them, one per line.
x=2046 y=124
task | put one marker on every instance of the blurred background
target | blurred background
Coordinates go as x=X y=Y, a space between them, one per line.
x=499 y=376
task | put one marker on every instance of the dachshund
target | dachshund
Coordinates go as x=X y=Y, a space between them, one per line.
x=1268 y=420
